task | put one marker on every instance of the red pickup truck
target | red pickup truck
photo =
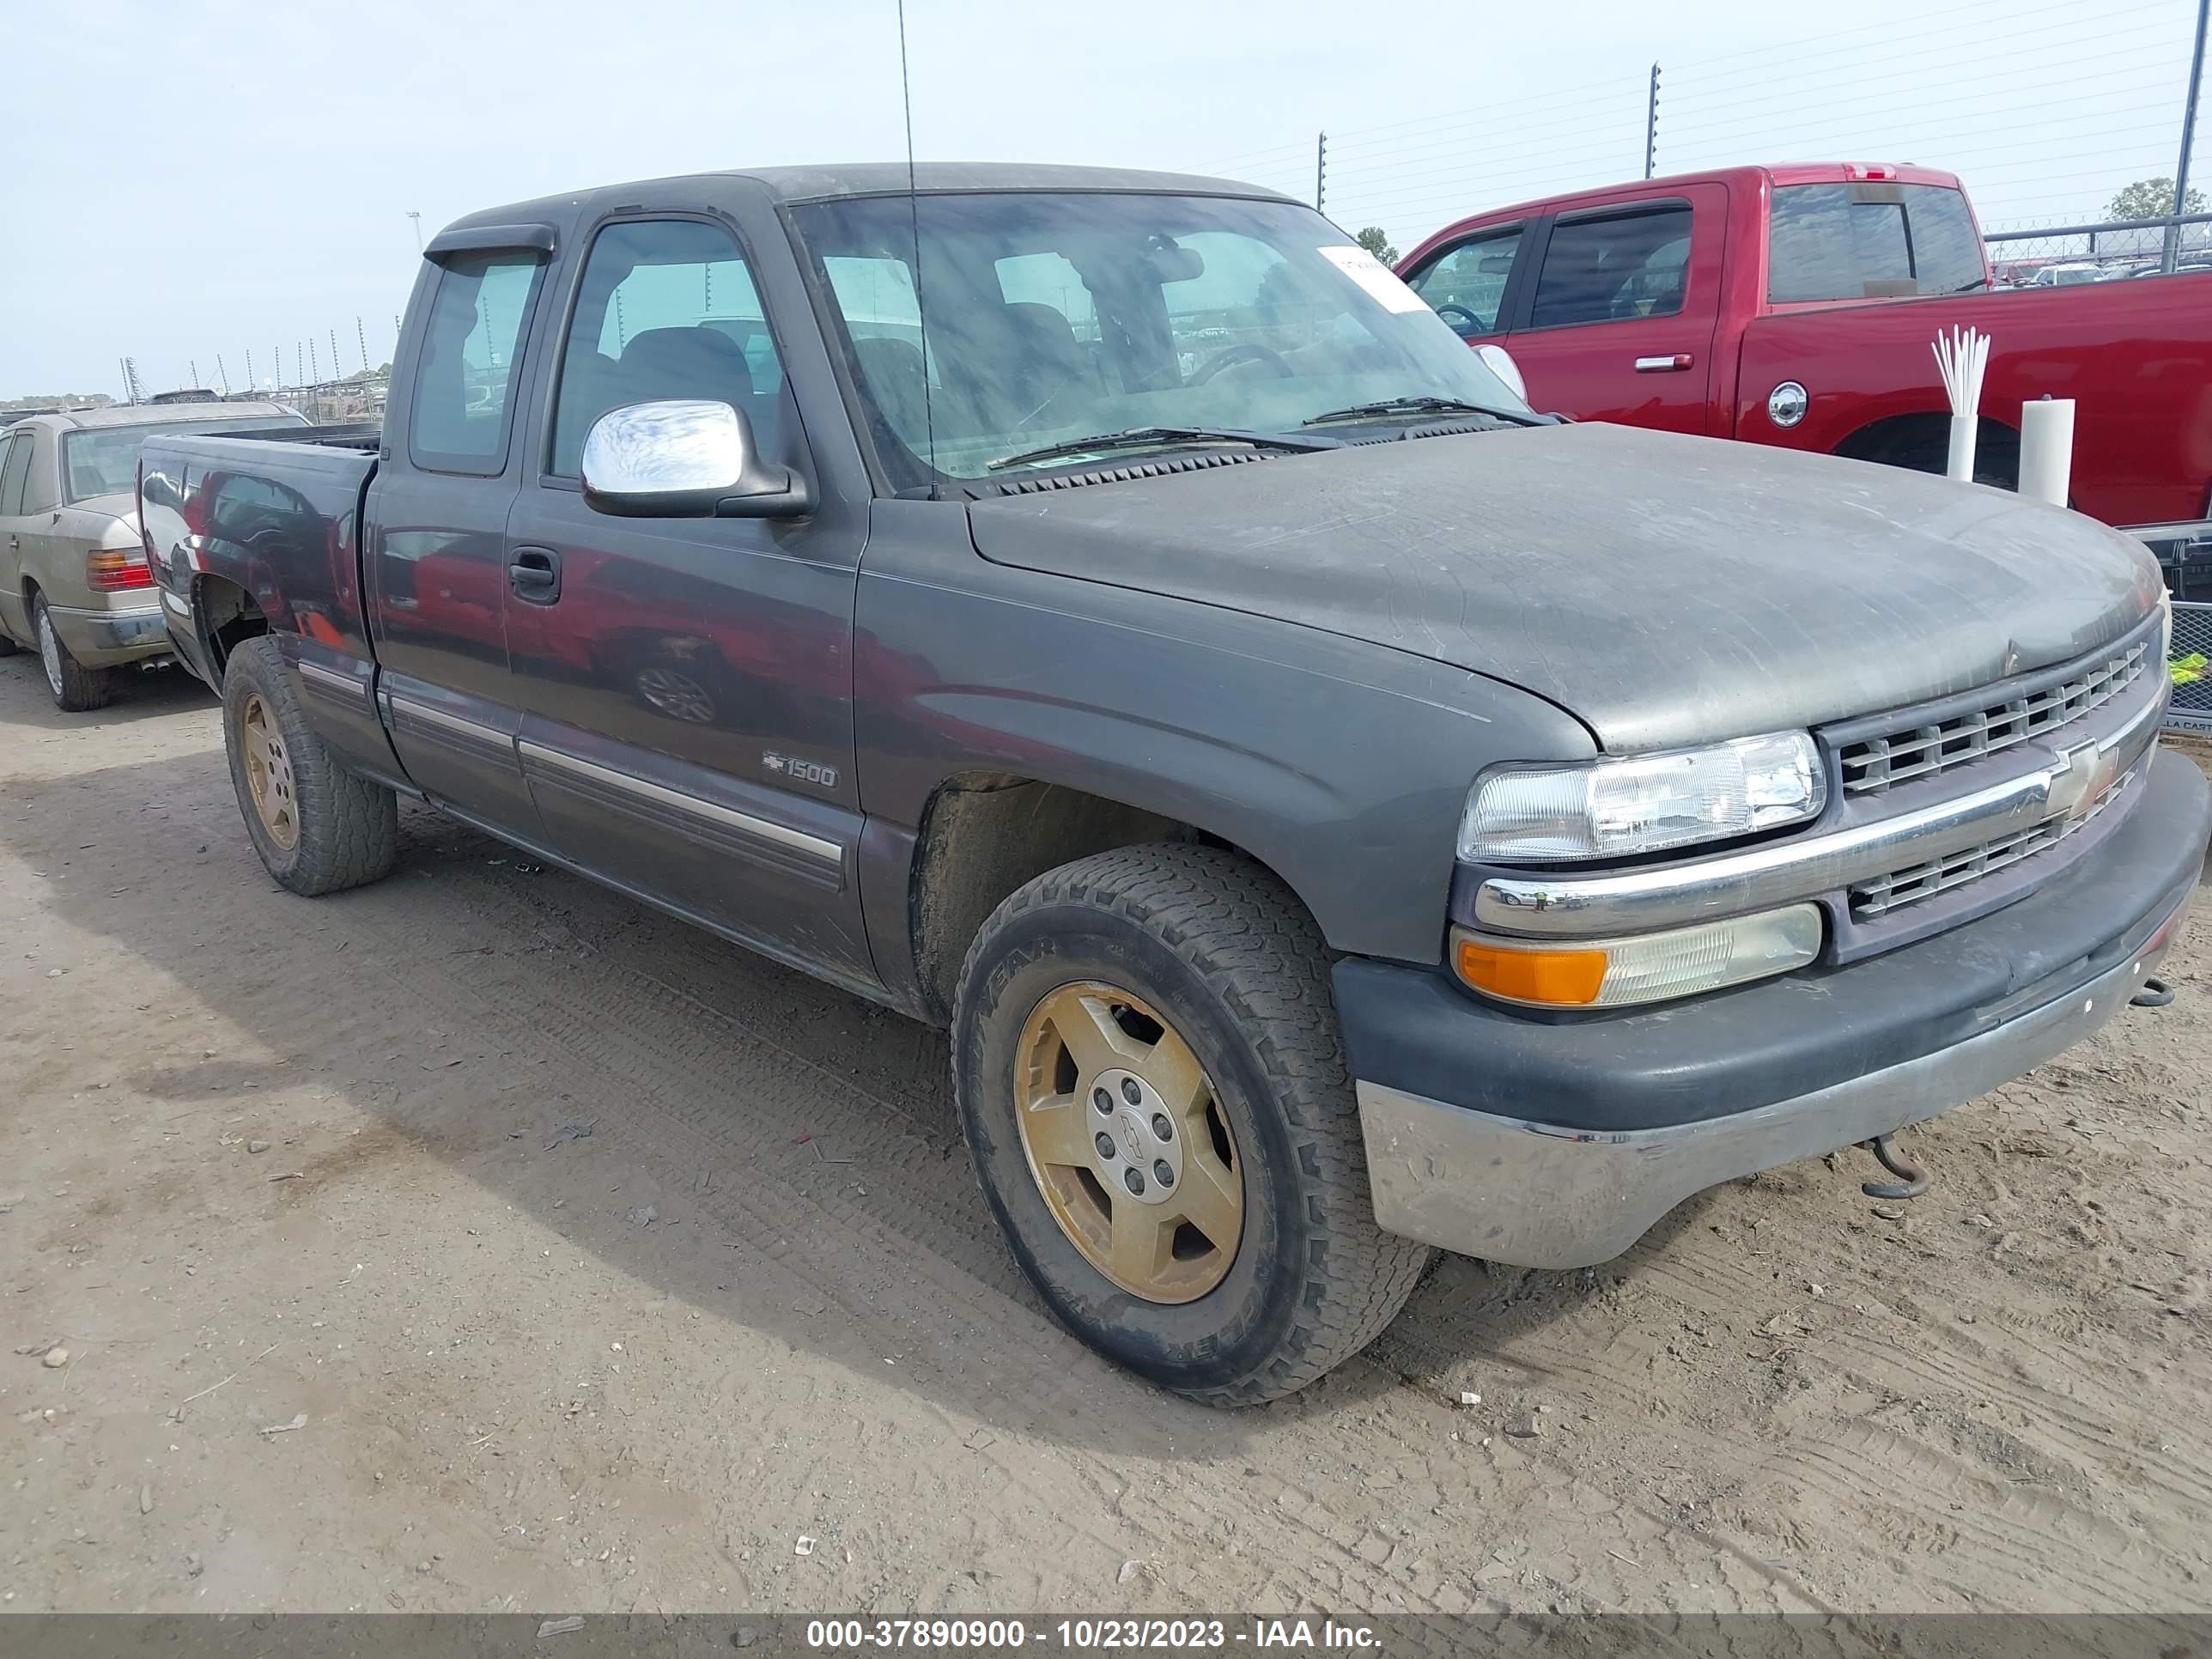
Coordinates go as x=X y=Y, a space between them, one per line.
x=1794 y=306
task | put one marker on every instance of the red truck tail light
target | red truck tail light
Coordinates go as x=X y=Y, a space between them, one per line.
x=1872 y=174
x=113 y=569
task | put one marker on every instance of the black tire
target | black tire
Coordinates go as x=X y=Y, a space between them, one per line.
x=347 y=828
x=75 y=688
x=1230 y=958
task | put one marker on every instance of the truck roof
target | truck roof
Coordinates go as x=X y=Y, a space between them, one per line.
x=1783 y=173
x=817 y=182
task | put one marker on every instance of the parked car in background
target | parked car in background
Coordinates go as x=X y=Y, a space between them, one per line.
x=2072 y=274
x=73 y=588
x=1337 y=810
x=1794 y=306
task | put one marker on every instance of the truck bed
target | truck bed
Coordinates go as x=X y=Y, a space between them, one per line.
x=2135 y=355
x=271 y=515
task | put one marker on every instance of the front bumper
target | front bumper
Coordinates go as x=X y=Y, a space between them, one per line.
x=1557 y=1142
x=104 y=639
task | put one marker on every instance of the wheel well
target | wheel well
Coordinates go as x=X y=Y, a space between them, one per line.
x=1923 y=443
x=986 y=834
x=228 y=617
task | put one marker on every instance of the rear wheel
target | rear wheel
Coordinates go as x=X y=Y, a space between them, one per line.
x=1150 y=1075
x=317 y=828
x=76 y=688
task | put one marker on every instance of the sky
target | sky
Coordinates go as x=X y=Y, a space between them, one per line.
x=190 y=179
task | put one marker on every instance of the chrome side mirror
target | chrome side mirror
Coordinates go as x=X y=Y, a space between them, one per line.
x=1499 y=362
x=685 y=458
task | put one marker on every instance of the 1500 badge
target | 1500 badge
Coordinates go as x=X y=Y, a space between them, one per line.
x=800 y=771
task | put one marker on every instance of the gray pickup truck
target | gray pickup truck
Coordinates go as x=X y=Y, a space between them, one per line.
x=1338 y=810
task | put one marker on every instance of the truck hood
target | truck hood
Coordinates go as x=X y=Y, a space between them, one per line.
x=1666 y=590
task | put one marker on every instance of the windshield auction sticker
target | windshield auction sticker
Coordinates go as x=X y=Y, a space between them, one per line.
x=1377 y=278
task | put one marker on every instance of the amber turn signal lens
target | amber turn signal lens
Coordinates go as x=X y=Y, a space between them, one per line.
x=1560 y=979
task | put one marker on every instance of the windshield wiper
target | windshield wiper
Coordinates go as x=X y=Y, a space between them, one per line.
x=1138 y=437
x=1424 y=406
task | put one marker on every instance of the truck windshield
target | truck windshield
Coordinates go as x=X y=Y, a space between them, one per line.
x=1870 y=241
x=1040 y=318
x=103 y=461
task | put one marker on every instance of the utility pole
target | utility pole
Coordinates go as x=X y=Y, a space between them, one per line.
x=252 y=385
x=222 y=375
x=2188 y=139
x=1651 y=126
x=360 y=329
x=1321 y=170
x=334 y=354
x=416 y=219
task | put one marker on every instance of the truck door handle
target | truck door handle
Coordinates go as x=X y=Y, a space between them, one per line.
x=1663 y=365
x=534 y=573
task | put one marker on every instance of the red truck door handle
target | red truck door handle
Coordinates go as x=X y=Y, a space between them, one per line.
x=534 y=573
x=1663 y=364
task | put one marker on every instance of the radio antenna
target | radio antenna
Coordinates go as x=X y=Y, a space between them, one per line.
x=913 y=219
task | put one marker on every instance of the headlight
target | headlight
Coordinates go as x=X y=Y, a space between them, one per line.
x=1608 y=808
x=1614 y=973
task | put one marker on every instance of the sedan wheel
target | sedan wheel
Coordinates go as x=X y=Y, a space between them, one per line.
x=75 y=687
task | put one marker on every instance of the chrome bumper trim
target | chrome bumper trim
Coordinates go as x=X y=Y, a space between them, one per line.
x=1783 y=872
x=1537 y=1195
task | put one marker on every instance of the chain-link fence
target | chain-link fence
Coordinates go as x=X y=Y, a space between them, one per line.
x=2190 y=663
x=2064 y=255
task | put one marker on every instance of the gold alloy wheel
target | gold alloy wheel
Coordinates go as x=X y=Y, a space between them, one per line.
x=268 y=773
x=1130 y=1148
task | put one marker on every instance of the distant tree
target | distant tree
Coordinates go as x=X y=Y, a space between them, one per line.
x=2151 y=198
x=1377 y=241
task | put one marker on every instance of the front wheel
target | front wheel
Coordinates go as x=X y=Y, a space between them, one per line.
x=1151 y=1080
x=75 y=688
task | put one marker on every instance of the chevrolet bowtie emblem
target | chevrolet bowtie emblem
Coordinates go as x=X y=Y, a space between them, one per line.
x=2082 y=775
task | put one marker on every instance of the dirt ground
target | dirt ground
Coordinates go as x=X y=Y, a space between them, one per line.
x=421 y=1351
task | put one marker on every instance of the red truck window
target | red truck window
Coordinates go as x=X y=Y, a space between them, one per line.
x=1466 y=287
x=1615 y=268
x=1868 y=241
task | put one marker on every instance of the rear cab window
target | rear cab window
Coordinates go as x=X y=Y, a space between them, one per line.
x=463 y=399
x=1870 y=240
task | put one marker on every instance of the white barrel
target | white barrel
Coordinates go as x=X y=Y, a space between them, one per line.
x=2046 y=449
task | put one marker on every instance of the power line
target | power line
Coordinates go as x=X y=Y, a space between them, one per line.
x=1892 y=101
x=1970 y=17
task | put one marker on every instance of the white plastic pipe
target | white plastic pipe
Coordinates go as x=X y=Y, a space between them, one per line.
x=2046 y=449
x=1962 y=357
x=1965 y=428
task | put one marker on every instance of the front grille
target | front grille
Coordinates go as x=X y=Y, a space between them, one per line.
x=1886 y=893
x=1872 y=764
